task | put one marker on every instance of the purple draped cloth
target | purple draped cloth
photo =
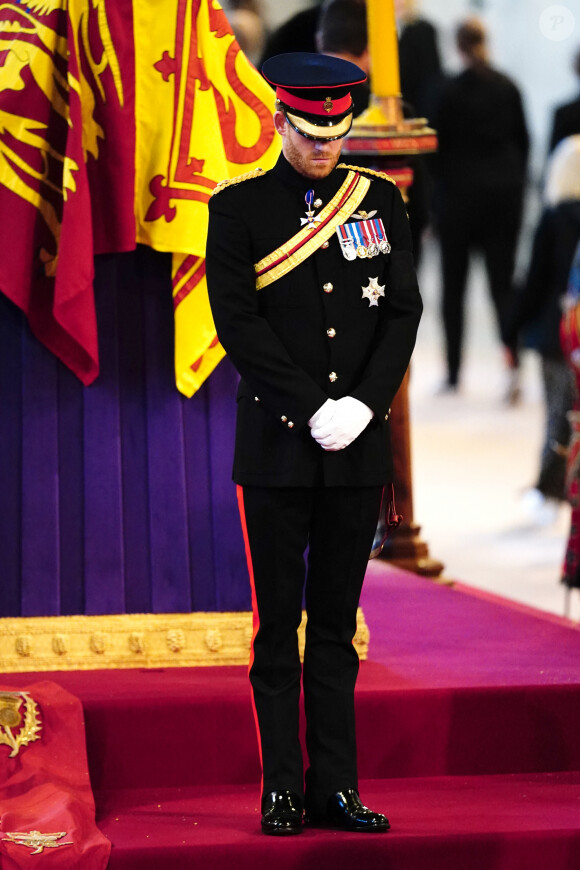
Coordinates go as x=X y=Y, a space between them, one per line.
x=116 y=498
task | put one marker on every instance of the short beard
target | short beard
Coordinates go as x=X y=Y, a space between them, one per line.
x=302 y=164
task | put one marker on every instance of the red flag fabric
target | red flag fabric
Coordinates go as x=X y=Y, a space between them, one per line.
x=46 y=802
x=60 y=74
x=116 y=122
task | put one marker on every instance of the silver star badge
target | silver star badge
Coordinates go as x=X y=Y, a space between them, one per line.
x=373 y=291
x=311 y=222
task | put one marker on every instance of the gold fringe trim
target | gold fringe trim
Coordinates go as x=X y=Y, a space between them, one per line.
x=227 y=182
x=135 y=640
x=321 y=236
x=376 y=172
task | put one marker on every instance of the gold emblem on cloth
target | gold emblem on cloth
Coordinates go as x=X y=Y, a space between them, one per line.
x=328 y=105
x=14 y=732
x=36 y=841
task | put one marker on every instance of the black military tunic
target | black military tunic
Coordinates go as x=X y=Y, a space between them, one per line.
x=309 y=336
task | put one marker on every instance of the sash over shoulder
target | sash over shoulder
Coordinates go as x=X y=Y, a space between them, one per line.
x=298 y=248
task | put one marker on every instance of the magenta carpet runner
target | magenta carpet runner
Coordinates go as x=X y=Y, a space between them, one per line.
x=468 y=715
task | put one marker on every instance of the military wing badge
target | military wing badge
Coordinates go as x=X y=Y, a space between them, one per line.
x=362 y=215
x=36 y=841
x=373 y=291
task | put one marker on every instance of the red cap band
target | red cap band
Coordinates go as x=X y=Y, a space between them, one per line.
x=324 y=108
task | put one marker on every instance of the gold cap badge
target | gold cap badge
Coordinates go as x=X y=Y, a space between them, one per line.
x=328 y=105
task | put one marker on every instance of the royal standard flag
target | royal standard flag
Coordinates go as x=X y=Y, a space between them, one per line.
x=203 y=113
x=43 y=188
x=116 y=122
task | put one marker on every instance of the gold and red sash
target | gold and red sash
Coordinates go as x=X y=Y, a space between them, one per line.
x=297 y=249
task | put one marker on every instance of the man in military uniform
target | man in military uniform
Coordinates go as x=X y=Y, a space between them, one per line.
x=314 y=296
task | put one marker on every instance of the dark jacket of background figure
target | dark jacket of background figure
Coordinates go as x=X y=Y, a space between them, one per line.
x=536 y=308
x=277 y=337
x=566 y=122
x=419 y=65
x=295 y=34
x=482 y=134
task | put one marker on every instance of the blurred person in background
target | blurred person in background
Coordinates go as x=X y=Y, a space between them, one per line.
x=420 y=72
x=342 y=32
x=566 y=121
x=246 y=20
x=480 y=171
x=570 y=336
x=534 y=317
x=295 y=34
x=419 y=59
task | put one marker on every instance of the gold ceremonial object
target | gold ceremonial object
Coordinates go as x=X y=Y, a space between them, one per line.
x=11 y=719
x=381 y=131
x=37 y=841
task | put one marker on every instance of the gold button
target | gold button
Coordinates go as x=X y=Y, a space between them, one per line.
x=325 y=245
x=317 y=202
x=331 y=332
x=388 y=414
x=290 y=424
x=328 y=288
x=283 y=418
x=332 y=377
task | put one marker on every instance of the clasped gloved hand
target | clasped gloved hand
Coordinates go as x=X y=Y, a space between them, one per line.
x=349 y=418
x=323 y=414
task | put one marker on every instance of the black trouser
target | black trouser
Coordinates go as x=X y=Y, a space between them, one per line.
x=337 y=525
x=488 y=222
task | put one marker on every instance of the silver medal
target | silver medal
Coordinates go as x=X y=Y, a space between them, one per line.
x=348 y=249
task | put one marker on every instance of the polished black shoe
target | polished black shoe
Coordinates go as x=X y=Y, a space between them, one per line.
x=346 y=811
x=281 y=813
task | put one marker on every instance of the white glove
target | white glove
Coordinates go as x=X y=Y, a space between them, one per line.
x=349 y=419
x=323 y=414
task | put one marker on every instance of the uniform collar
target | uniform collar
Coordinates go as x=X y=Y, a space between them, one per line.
x=288 y=175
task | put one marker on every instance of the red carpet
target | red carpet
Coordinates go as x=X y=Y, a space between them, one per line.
x=468 y=722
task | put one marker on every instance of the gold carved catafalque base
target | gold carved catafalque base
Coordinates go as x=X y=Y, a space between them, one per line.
x=135 y=640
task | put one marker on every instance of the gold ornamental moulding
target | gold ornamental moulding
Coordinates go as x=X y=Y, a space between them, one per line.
x=136 y=640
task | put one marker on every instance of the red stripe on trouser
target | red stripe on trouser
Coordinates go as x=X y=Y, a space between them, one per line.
x=255 y=615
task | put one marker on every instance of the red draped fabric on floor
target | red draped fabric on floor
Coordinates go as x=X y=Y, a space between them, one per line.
x=44 y=782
